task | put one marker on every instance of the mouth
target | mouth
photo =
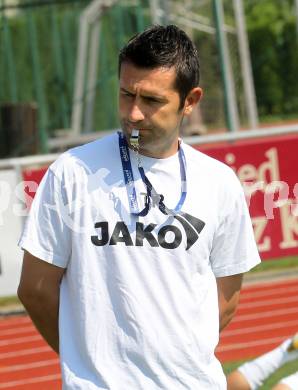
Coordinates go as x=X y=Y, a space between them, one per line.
x=143 y=131
x=139 y=129
x=130 y=127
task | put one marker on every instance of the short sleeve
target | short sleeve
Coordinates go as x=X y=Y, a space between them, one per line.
x=234 y=248
x=46 y=235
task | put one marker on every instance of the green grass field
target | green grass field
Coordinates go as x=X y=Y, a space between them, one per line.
x=276 y=264
x=286 y=370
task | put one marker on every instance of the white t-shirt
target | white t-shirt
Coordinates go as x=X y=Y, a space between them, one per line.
x=138 y=301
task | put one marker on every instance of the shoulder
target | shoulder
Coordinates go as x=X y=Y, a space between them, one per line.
x=216 y=180
x=88 y=157
x=210 y=168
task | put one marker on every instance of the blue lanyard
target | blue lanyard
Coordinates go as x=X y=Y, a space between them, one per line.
x=151 y=192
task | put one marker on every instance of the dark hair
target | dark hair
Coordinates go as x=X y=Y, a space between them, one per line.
x=165 y=46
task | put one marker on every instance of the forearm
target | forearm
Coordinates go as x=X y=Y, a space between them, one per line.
x=225 y=316
x=44 y=312
x=228 y=298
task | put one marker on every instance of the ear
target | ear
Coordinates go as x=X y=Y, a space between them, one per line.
x=192 y=99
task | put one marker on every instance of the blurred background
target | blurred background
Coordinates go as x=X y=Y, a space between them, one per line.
x=58 y=65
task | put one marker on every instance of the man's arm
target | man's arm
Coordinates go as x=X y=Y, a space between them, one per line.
x=39 y=292
x=228 y=289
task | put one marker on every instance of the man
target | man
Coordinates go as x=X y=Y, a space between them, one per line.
x=251 y=375
x=142 y=250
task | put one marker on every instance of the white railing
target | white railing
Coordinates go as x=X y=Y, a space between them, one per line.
x=66 y=142
x=242 y=135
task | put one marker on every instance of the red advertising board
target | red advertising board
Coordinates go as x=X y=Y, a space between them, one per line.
x=268 y=170
x=32 y=177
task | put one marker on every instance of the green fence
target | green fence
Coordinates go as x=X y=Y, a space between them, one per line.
x=38 y=55
x=38 y=52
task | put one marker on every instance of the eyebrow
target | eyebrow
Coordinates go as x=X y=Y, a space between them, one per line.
x=146 y=95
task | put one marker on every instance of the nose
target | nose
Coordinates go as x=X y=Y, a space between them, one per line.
x=135 y=114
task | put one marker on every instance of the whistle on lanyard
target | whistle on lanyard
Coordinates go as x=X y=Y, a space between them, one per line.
x=134 y=139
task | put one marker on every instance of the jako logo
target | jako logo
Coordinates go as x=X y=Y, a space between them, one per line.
x=191 y=225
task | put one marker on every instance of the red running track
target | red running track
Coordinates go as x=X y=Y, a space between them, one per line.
x=267 y=315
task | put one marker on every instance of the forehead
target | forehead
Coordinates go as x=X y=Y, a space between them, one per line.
x=159 y=79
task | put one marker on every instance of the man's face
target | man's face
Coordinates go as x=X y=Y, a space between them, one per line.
x=148 y=102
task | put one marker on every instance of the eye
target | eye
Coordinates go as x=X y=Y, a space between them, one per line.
x=151 y=99
x=126 y=94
